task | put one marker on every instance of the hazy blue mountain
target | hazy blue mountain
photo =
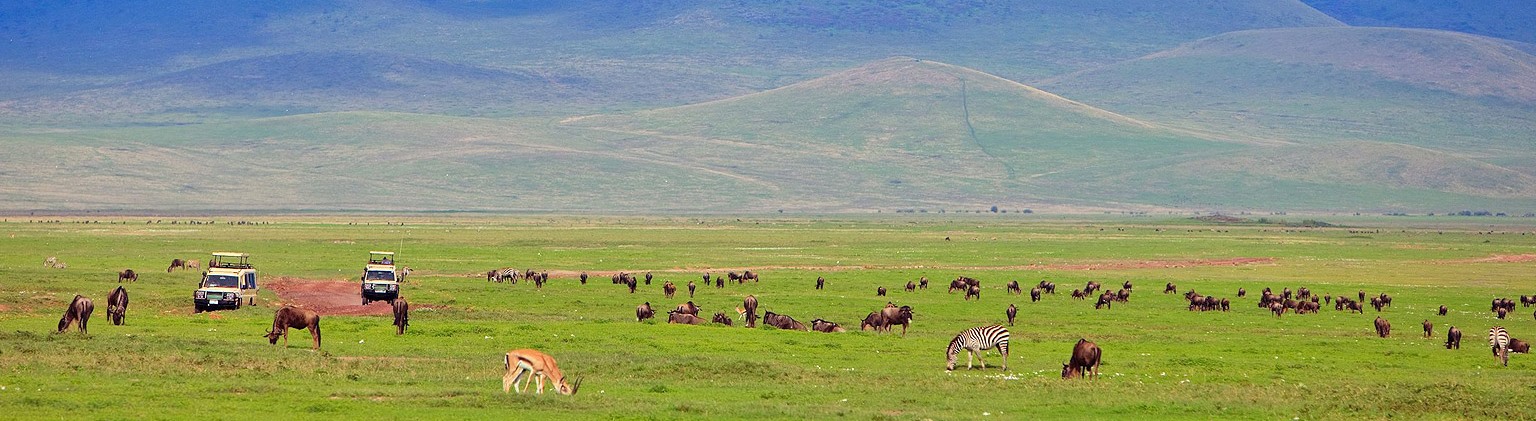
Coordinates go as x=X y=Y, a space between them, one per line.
x=1508 y=19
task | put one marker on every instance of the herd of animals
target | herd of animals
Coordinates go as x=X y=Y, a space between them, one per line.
x=527 y=365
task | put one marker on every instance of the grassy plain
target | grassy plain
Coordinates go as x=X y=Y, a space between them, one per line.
x=1160 y=360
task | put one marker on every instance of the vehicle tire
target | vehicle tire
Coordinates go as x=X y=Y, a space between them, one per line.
x=365 y=301
x=197 y=308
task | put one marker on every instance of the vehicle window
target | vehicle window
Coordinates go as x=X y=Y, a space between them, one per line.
x=222 y=281
x=379 y=275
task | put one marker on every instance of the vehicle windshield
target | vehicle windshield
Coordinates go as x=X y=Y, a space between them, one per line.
x=221 y=281
x=379 y=275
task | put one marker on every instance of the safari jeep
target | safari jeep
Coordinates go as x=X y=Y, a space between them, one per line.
x=229 y=282
x=380 y=281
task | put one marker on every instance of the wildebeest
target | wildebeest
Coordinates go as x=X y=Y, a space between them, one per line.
x=1012 y=312
x=1429 y=329
x=176 y=264
x=821 y=282
x=781 y=321
x=911 y=286
x=719 y=282
x=1527 y=300
x=1085 y=360
x=824 y=326
x=973 y=291
x=891 y=316
x=687 y=308
x=668 y=289
x=721 y=318
x=749 y=276
x=524 y=365
x=1127 y=285
x=79 y=311
x=1105 y=301
x=1242 y=293
x=1078 y=294
x=1047 y=287
x=492 y=276
x=1519 y=346
x=402 y=311
x=880 y=292
x=647 y=278
x=1383 y=328
x=644 y=311
x=1501 y=313
x=1170 y=289
x=290 y=317
x=583 y=278
x=1362 y=296
x=1443 y=310
x=683 y=318
x=691 y=286
x=1034 y=294
x=1013 y=288
x=1453 y=338
x=749 y=307
x=117 y=305
x=127 y=275
x=871 y=322
x=959 y=284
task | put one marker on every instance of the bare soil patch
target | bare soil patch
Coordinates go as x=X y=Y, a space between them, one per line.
x=326 y=297
x=1500 y=258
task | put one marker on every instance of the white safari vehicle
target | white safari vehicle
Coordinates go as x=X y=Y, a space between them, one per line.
x=380 y=280
x=229 y=282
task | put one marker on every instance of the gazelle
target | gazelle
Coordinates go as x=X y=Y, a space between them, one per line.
x=524 y=365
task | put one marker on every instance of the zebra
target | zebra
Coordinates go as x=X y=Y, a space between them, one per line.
x=974 y=341
x=1498 y=339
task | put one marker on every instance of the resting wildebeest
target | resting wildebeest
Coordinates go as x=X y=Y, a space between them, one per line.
x=1085 y=360
x=1383 y=328
x=1012 y=312
x=668 y=289
x=290 y=317
x=1443 y=309
x=687 y=308
x=824 y=326
x=176 y=264
x=880 y=292
x=781 y=321
x=117 y=305
x=79 y=311
x=683 y=318
x=1453 y=338
x=644 y=311
x=1429 y=329
x=1034 y=294
x=721 y=318
x=1013 y=288
x=749 y=307
x=524 y=365
x=402 y=315
x=127 y=275
x=1519 y=346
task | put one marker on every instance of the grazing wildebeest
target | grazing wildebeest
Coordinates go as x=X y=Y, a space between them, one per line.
x=1519 y=347
x=1386 y=300
x=1453 y=338
x=880 y=292
x=821 y=282
x=1105 y=301
x=1012 y=312
x=176 y=264
x=1013 y=288
x=687 y=308
x=127 y=275
x=1501 y=313
x=749 y=306
x=631 y=284
x=824 y=326
x=721 y=318
x=781 y=321
x=1277 y=308
x=1226 y=305
x=1242 y=293
x=1443 y=310
x=290 y=317
x=973 y=291
x=1047 y=287
x=959 y=284
x=668 y=289
x=402 y=311
x=1170 y=289
x=1034 y=294
x=644 y=311
x=1383 y=328
x=733 y=276
x=872 y=321
x=1127 y=285
x=922 y=282
x=1429 y=329
x=911 y=286
x=749 y=276
x=683 y=318
x=647 y=278
x=524 y=365
x=719 y=282
x=1377 y=304
x=1527 y=300
x=79 y=311
x=1078 y=294
x=117 y=305
x=691 y=286
x=1085 y=360
x=492 y=276
x=1091 y=287
x=583 y=278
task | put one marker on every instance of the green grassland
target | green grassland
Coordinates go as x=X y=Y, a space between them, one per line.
x=1161 y=361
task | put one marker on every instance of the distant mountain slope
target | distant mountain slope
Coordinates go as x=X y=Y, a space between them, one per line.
x=1508 y=19
x=1446 y=91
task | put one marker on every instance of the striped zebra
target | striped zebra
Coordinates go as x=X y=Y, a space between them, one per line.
x=1498 y=339
x=976 y=340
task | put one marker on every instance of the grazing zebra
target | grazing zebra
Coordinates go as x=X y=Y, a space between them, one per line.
x=976 y=340
x=1498 y=339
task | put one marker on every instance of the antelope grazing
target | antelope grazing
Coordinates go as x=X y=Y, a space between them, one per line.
x=79 y=311
x=644 y=311
x=127 y=275
x=290 y=317
x=117 y=306
x=1012 y=312
x=891 y=316
x=402 y=315
x=1085 y=360
x=525 y=365
x=1047 y=287
x=647 y=278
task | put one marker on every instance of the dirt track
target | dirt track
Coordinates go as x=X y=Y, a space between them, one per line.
x=326 y=297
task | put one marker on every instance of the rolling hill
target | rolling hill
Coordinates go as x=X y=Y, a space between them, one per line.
x=1508 y=19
